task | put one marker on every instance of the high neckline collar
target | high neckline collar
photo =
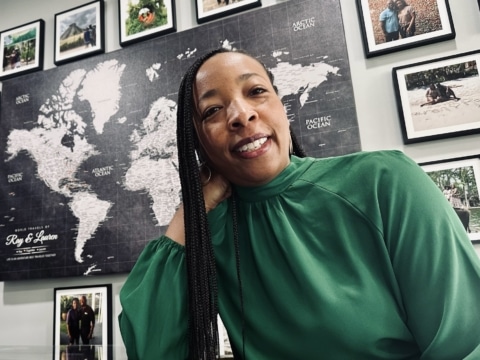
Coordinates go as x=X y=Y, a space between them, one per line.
x=275 y=186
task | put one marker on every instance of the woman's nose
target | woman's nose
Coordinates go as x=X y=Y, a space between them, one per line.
x=240 y=113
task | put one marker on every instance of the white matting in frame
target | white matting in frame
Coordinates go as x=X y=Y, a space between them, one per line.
x=99 y=298
x=463 y=175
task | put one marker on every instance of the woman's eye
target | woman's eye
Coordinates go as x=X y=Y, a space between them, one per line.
x=209 y=112
x=258 y=91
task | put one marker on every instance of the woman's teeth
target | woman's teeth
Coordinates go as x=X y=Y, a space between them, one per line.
x=255 y=145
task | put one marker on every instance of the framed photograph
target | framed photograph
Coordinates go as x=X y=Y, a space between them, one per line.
x=459 y=180
x=83 y=322
x=389 y=26
x=21 y=49
x=438 y=99
x=208 y=10
x=79 y=32
x=145 y=19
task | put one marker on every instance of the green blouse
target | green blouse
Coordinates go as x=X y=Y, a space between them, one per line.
x=352 y=257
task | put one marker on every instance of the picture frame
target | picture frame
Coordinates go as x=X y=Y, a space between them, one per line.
x=144 y=19
x=99 y=299
x=79 y=32
x=21 y=49
x=436 y=98
x=208 y=10
x=432 y=23
x=459 y=180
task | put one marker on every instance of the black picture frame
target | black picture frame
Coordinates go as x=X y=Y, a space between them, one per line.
x=459 y=180
x=79 y=32
x=453 y=113
x=142 y=20
x=21 y=49
x=436 y=25
x=99 y=298
x=207 y=12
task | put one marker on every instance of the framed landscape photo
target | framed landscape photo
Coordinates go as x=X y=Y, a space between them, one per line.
x=208 y=10
x=438 y=98
x=79 y=32
x=83 y=322
x=145 y=19
x=21 y=49
x=459 y=180
x=398 y=25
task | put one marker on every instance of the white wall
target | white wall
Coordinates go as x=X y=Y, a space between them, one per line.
x=26 y=307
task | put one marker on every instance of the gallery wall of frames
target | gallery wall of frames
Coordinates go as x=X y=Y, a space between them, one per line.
x=354 y=79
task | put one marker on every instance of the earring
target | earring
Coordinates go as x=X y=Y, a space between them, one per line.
x=205 y=166
x=291 y=147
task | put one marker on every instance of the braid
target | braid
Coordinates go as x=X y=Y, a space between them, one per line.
x=201 y=271
x=201 y=267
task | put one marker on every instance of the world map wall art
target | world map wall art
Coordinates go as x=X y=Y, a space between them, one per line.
x=88 y=156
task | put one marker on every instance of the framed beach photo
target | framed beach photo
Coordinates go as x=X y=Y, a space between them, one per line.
x=145 y=19
x=79 y=32
x=459 y=180
x=21 y=49
x=439 y=98
x=208 y=10
x=389 y=26
x=82 y=325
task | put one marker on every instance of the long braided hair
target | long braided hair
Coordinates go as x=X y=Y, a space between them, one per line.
x=201 y=271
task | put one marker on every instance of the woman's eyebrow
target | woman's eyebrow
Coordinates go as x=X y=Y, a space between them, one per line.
x=212 y=92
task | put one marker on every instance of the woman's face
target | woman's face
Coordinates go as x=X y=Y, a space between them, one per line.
x=241 y=122
x=75 y=304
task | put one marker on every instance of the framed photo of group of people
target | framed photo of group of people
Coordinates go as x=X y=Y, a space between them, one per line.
x=394 y=25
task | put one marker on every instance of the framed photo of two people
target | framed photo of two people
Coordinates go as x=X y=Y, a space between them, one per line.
x=82 y=326
x=393 y=25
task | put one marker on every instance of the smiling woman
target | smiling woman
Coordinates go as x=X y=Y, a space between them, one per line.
x=241 y=124
x=286 y=249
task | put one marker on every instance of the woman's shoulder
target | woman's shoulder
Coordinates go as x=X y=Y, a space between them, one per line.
x=360 y=168
x=363 y=159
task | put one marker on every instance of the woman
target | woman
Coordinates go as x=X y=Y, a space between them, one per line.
x=73 y=322
x=337 y=258
x=406 y=19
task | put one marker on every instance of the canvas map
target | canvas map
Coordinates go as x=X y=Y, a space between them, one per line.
x=88 y=170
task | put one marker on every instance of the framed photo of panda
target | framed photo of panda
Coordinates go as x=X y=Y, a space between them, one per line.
x=144 y=19
x=393 y=25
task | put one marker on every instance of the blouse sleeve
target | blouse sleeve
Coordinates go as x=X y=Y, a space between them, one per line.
x=436 y=266
x=154 y=317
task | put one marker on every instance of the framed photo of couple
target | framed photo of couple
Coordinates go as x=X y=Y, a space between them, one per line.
x=79 y=32
x=439 y=98
x=459 y=181
x=389 y=26
x=82 y=326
